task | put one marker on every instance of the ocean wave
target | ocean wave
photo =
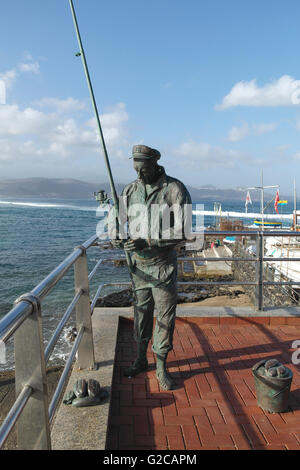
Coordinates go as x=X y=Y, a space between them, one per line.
x=48 y=205
x=30 y=204
x=244 y=215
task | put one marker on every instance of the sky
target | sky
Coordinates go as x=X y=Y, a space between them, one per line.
x=215 y=86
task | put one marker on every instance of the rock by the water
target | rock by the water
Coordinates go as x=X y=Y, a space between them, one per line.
x=123 y=298
x=186 y=294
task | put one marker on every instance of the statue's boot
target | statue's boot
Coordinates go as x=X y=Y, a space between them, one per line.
x=141 y=363
x=165 y=380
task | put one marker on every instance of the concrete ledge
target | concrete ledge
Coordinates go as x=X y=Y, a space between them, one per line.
x=86 y=428
x=114 y=311
x=195 y=310
x=189 y=310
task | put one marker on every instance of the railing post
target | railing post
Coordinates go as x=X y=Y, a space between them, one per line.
x=259 y=272
x=86 y=357
x=30 y=369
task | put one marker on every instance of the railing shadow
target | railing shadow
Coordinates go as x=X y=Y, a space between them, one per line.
x=234 y=402
x=228 y=391
x=123 y=430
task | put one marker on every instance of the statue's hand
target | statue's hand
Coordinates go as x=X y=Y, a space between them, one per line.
x=138 y=244
x=117 y=243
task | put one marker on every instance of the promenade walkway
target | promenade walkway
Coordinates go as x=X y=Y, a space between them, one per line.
x=213 y=405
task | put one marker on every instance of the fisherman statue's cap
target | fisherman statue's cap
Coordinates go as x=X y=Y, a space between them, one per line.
x=144 y=152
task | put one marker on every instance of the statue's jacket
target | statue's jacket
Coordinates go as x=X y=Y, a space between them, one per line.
x=162 y=214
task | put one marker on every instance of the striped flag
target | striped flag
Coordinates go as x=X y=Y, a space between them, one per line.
x=276 y=202
x=248 y=199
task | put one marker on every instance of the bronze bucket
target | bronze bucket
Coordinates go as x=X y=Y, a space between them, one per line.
x=272 y=393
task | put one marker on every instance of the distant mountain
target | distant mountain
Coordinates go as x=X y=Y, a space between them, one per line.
x=59 y=188
x=56 y=188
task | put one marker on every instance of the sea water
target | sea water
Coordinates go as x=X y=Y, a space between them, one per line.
x=37 y=234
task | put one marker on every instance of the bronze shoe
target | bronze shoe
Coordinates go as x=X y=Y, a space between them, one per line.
x=137 y=367
x=165 y=380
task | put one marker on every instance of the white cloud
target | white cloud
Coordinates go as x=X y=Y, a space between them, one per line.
x=2 y=92
x=27 y=56
x=202 y=155
x=50 y=132
x=284 y=91
x=17 y=122
x=238 y=133
x=29 y=64
x=61 y=106
x=9 y=77
x=38 y=135
x=298 y=124
x=33 y=67
x=263 y=128
x=115 y=116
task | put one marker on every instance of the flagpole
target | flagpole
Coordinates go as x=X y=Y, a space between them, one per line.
x=262 y=200
x=261 y=189
x=295 y=206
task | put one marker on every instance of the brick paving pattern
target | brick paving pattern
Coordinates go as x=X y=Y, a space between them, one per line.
x=213 y=405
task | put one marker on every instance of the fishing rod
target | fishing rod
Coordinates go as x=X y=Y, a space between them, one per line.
x=106 y=159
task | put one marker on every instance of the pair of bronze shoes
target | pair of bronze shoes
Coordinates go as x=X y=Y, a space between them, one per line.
x=85 y=393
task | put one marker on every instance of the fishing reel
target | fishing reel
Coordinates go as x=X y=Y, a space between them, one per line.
x=102 y=197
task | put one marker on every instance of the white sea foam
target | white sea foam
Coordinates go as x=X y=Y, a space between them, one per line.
x=29 y=204
x=48 y=205
x=245 y=215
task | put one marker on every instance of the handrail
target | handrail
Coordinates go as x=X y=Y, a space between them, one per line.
x=287 y=233
x=14 y=413
x=24 y=309
x=93 y=272
x=13 y=319
x=96 y=298
x=64 y=375
x=63 y=321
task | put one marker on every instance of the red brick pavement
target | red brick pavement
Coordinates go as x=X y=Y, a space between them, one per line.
x=213 y=405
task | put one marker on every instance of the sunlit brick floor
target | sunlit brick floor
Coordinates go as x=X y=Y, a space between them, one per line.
x=213 y=405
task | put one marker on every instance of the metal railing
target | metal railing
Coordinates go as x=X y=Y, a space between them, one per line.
x=258 y=259
x=31 y=412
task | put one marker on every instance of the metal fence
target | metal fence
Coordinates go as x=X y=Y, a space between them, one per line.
x=31 y=412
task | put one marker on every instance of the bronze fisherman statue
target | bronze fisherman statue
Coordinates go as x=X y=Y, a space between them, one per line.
x=154 y=257
x=153 y=265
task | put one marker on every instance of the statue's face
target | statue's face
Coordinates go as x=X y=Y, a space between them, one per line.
x=146 y=169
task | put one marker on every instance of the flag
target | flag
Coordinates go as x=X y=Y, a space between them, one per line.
x=248 y=199
x=276 y=202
